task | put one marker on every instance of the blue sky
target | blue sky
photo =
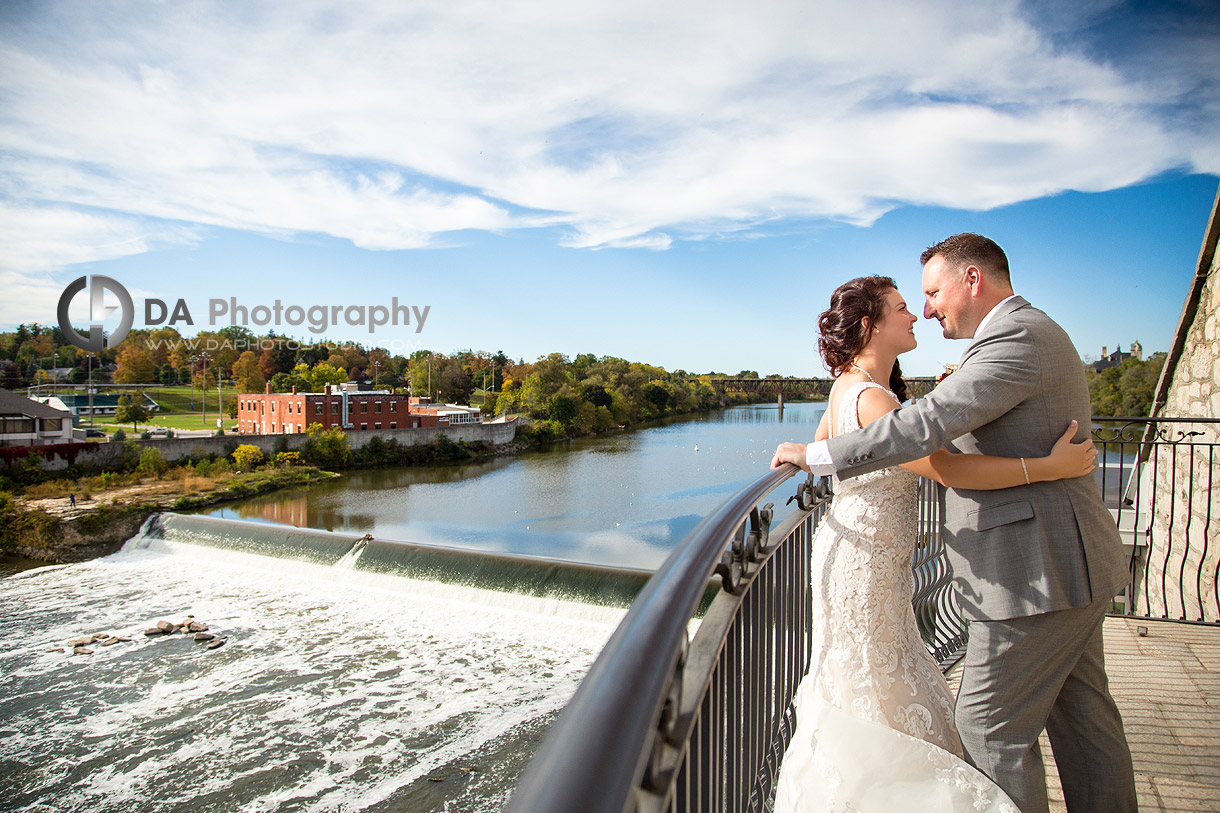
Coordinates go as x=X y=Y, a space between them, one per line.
x=679 y=183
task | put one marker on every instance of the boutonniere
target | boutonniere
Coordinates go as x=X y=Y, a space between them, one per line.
x=949 y=370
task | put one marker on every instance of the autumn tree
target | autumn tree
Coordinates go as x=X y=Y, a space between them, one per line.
x=135 y=365
x=247 y=375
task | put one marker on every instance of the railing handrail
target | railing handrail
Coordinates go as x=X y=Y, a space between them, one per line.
x=600 y=736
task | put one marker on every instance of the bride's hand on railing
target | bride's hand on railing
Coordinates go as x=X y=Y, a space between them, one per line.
x=790 y=453
x=1068 y=459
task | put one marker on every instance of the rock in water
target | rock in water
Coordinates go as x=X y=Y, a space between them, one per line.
x=219 y=642
x=82 y=650
x=165 y=627
x=197 y=626
x=204 y=636
x=84 y=640
x=154 y=631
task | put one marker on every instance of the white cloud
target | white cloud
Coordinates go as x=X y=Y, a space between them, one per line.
x=625 y=123
x=36 y=242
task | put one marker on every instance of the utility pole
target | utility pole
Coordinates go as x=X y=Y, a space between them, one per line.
x=205 y=358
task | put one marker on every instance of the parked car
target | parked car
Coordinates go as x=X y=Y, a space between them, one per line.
x=157 y=430
x=90 y=432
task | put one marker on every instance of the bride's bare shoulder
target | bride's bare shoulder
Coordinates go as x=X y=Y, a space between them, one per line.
x=874 y=402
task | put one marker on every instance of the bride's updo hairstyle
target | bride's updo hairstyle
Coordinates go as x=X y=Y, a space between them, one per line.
x=843 y=332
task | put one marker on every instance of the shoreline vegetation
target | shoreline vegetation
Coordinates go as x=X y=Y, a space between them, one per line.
x=80 y=513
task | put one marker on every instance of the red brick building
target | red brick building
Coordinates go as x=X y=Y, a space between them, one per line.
x=291 y=412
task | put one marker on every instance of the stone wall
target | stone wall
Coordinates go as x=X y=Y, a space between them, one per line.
x=496 y=434
x=1180 y=565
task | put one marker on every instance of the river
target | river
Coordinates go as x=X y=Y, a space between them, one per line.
x=337 y=689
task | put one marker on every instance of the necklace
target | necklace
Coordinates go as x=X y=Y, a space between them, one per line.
x=866 y=372
x=870 y=377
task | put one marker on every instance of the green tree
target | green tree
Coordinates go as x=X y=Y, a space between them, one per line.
x=321 y=375
x=151 y=462
x=1125 y=389
x=131 y=410
x=326 y=447
x=561 y=408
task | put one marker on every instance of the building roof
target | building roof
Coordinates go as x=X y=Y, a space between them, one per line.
x=99 y=400
x=12 y=403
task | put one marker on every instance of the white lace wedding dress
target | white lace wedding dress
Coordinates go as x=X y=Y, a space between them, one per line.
x=874 y=716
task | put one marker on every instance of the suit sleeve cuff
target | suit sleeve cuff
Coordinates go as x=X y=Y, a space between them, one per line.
x=817 y=456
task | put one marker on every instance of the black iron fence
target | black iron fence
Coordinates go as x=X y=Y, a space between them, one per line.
x=670 y=721
x=1160 y=478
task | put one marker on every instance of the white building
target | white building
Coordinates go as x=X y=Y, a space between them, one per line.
x=26 y=422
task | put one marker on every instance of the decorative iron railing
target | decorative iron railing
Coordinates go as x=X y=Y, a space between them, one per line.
x=669 y=722
x=666 y=721
x=1160 y=478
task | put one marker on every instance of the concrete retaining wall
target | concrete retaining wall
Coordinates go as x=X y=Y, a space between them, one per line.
x=103 y=454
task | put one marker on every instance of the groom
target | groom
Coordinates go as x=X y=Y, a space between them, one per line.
x=1035 y=566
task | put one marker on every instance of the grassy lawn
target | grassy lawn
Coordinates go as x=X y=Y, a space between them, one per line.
x=181 y=408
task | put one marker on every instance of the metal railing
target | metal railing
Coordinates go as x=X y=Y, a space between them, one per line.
x=1160 y=478
x=666 y=721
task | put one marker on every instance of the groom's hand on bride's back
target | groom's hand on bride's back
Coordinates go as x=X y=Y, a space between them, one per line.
x=790 y=453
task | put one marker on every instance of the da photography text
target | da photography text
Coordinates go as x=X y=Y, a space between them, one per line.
x=317 y=318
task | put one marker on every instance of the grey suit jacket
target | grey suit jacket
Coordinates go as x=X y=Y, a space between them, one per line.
x=1017 y=551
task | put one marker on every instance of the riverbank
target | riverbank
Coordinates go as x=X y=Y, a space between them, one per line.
x=76 y=520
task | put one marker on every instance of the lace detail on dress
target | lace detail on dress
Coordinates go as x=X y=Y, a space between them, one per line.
x=869 y=656
x=873 y=696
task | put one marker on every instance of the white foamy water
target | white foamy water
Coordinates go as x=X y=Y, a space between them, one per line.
x=334 y=691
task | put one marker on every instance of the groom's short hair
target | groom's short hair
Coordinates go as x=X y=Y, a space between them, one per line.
x=968 y=248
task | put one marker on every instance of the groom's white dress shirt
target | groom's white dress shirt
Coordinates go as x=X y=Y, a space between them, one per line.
x=817 y=454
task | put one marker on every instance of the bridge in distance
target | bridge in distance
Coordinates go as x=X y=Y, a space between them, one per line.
x=917 y=386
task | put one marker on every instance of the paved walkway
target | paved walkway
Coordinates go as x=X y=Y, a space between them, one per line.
x=1167 y=685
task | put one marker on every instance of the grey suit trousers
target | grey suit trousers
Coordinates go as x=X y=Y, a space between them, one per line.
x=1045 y=671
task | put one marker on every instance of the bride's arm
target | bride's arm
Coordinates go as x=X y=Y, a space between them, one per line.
x=823 y=425
x=984 y=472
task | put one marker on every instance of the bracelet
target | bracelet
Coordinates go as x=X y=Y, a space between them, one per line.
x=1026 y=470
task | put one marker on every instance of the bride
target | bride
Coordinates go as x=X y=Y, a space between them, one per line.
x=875 y=728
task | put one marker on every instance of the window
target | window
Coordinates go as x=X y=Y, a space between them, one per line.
x=393 y=406
x=13 y=425
x=334 y=408
x=393 y=424
x=317 y=408
x=364 y=426
x=364 y=406
x=377 y=425
x=377 y=407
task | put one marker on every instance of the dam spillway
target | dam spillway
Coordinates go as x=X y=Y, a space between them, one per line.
x=357 y=674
